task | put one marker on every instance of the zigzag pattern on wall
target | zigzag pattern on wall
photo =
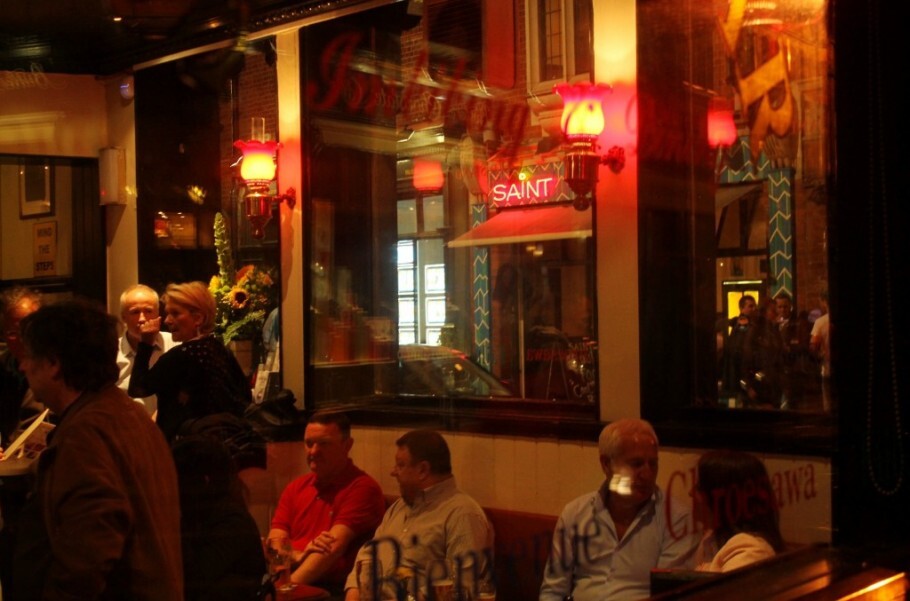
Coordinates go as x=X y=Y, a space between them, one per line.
x=480 y=293
x=780 y=231
x=738 y=167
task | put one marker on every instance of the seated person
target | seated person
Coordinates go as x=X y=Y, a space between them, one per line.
x=734 y=499
x=432 y=528
x=607 y=541
x=222 y=551
x=331 y=511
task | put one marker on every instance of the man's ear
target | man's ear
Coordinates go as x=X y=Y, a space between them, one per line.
x=423 y=469
x=56 y=368
x=347 y=443
x=605 y=465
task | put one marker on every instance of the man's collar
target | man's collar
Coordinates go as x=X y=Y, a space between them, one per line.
x=434 y=491
x=603 y=495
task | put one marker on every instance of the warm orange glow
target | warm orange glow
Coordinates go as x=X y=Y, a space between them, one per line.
x=258 y=164
x=721 y=127
x=582 y=112
x=428 y=176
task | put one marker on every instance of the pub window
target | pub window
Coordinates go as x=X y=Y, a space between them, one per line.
x=481 y=282
x=445 y=263
x=752 y=214
x=559 y=41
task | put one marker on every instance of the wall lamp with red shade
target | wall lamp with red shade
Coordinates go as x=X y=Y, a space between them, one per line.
x=258 y=169
x=582 y=123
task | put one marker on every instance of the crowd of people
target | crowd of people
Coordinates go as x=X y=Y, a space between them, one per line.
x=770 y=357
x=138 y=494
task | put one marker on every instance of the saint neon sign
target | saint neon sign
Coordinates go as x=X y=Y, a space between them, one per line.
x=524 y=189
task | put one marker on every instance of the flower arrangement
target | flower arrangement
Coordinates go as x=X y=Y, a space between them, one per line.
x=243 y=297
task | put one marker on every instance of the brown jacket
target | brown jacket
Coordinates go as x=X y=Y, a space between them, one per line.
x=104 y=522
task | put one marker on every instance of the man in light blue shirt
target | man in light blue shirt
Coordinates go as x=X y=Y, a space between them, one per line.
x=606 y=542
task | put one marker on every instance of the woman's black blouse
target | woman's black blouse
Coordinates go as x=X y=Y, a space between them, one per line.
x=195 y=379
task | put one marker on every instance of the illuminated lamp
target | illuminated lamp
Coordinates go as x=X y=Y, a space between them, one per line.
x=582 y=123
x=428 y=176
x=258 y=169
x=721 y=126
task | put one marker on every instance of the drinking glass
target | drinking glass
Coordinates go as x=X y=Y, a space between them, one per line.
x=486 y=591
x=278 y=555
x=441 y=579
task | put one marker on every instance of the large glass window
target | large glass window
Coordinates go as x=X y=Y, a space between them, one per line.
x=445 y=237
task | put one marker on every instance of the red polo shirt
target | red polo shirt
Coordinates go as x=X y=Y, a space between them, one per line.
x=307 y=508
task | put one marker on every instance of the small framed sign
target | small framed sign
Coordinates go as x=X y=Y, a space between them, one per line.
x=36 y=188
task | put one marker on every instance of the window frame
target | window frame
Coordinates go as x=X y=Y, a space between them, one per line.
x=667 y=402
x=536 y=85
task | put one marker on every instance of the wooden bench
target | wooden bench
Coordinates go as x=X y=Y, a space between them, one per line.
x=521 y=547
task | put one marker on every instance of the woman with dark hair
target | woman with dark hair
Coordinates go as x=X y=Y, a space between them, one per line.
x=734 y=499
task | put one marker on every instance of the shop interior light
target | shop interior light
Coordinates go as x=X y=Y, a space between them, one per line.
x=258 y=168
x=582 y=123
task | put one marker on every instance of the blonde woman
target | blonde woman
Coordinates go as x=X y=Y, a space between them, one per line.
x=197 y=379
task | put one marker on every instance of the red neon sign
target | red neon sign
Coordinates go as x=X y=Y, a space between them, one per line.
x=513 y=191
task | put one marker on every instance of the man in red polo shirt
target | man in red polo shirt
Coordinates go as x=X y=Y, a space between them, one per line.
x=331 y=511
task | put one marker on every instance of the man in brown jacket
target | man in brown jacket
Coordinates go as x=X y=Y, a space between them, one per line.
x=104 y=520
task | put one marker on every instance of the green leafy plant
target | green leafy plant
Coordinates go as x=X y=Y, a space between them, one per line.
x=243 y=297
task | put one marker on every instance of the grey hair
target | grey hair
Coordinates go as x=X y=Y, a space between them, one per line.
x=613 y=435
x=136 y=288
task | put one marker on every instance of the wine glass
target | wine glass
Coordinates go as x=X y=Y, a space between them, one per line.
x=278 y=555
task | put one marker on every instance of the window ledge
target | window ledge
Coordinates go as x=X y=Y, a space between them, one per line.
x=756 y=431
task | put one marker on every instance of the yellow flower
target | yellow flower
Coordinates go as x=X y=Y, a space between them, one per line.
x=239 y=297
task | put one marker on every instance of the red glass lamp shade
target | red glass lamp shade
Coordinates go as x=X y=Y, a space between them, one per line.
x=428 y=175
x=721 y=126
x=258 y=164
x=582 y=111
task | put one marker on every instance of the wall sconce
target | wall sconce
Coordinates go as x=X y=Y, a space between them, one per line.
x=582 y=123
x=721 y=126
x=257 y=169
x=428 y=177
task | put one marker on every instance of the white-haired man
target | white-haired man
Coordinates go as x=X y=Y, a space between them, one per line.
x=607 y=541
x=139 y=304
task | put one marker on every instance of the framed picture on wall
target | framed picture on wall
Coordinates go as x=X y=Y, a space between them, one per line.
x=36 y=188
